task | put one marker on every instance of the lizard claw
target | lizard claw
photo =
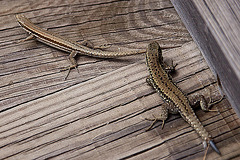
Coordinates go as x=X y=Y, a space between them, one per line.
x=155 y=119
x=69 y=69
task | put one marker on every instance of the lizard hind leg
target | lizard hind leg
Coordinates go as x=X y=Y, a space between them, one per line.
x=210 y=104
x=89 y=44
x=200 y=100
x=161 y=117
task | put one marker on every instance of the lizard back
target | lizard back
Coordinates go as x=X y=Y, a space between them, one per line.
x=163 y=84
x=67 y=45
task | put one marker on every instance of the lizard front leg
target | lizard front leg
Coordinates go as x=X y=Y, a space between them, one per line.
x=149 y=81
x=169 y=68
x=73 y=63
x=31 y=36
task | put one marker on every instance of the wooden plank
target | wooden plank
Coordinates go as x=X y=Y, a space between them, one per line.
x=99 y=113
x=103 y=118
x=214 y=26
x=32 y=68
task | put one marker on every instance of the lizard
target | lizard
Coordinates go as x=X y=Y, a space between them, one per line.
x=67 y=45
x=176 y=101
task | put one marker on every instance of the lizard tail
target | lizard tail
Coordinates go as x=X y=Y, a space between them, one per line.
x=195 y=123
x=212 y=144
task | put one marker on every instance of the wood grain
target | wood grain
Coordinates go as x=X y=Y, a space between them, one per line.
x=103 y=118
x=33 y=68
x=214 y=26
x=99 y=113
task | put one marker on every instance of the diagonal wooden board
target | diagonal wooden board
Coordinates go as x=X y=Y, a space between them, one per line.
x=103 y=118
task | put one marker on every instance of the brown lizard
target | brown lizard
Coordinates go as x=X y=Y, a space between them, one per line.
x=176 y=100
x=67 y=45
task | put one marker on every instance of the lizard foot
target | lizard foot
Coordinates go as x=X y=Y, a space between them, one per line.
x=210 y=103
x=69 y=69
x=155 y=119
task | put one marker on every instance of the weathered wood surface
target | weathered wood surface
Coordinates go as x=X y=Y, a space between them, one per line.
x=214 y=25
x=103 y=118
x=99 y=113
x=33 y=67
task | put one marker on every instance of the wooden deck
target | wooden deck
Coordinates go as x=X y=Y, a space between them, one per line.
x=99 y=113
